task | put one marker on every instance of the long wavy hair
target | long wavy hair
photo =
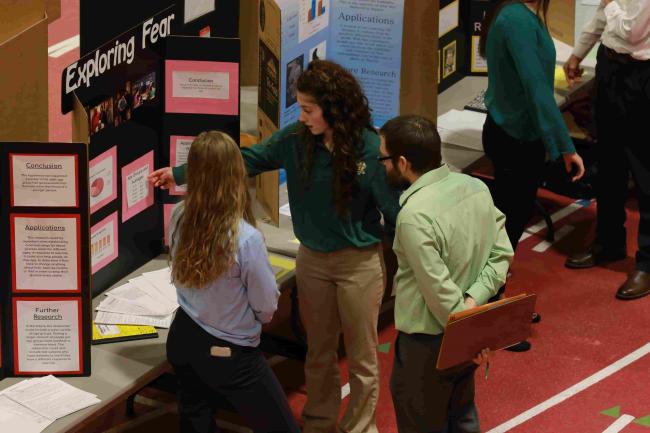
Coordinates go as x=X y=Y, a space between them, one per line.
x=345 y=109
x=541 y=9
x=216 y=201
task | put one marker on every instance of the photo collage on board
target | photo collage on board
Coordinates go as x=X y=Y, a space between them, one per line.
x=118 y=109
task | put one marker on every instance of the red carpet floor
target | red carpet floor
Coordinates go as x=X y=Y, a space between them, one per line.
x=584 y=329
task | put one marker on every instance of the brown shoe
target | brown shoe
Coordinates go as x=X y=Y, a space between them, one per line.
x=636 y=286
x=596 y=255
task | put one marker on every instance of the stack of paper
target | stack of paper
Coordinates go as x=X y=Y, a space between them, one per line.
x=32 y=405
x=463 y=128
x=149 y=299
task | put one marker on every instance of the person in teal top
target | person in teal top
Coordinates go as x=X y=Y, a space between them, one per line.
x=337 y=194
x=524 y=123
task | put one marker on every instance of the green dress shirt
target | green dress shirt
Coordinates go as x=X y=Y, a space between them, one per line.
x=450 y=241
x=316 y=223
x=520 y=95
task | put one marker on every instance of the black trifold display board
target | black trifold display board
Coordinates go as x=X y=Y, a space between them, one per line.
x=459 y=54
x=101 y=21
x=155 y=96
x=45 y=303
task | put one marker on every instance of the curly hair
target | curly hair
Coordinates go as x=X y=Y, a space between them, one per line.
x=345 y=109
x=216 y=201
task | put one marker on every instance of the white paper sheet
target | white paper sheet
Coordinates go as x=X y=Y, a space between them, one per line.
x=15 y=417
x=162 y=291
x=201 y=84
x=448 y=18
x=48 y=335
x=46 y=253
x=137 y=186
x=44 y=180
x=161 y=279
x=116 y=305
x=135 y=296
x=197 y=8
x=129 y=319
x=50 y=397
x=285 y=210
x=462 y=128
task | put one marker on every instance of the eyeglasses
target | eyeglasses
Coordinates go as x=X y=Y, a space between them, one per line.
x=384 y=158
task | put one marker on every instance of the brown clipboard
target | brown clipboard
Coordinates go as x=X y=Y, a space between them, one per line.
x=495 y=325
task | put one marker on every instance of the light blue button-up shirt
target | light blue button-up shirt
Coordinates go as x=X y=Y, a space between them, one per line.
x=235 y=305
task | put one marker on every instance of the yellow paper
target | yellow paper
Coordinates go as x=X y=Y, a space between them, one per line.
x=122 y=331
x=286 y=264
x=560 y=79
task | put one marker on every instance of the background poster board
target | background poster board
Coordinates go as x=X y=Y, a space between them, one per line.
x=125 y=113
x=45 y=311
x=452 y=42
x=476 y=64
x=366 y=37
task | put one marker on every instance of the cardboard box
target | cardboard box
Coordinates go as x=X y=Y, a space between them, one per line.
x=53 y=9
x=23 y=62
x=561 y=20
x=362 y=37
x=248 y=33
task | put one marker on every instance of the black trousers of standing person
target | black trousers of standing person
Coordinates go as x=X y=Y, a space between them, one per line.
x=428 y=400
x=518 y=172
x=622 y=114
x=207 y=376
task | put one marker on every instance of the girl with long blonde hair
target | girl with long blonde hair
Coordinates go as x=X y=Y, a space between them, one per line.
x=226 y=291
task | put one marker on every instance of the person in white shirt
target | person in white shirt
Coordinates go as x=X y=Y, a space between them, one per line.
x=622 y=112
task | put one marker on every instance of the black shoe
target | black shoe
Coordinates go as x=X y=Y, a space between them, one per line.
x=522 y=346
x=597 y=255
x=536 y=318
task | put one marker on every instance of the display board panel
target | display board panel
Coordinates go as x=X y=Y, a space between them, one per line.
x=45 y=304
x=123 y=108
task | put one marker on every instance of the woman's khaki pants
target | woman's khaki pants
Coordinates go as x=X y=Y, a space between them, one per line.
x=340 y=292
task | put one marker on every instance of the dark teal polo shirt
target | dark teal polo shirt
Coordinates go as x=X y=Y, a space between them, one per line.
x=316 y=222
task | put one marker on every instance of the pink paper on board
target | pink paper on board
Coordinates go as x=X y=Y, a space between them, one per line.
x=137 y=192
x=175 y=159
x=104 y=242
x=167 y=214
x=226 y=75
x=104 y=184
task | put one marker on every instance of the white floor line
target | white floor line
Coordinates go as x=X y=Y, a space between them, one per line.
x=545 y=245
x=619 y=424
x=60 y=48
x=562 y=213
x=345 y=390
x=575 y=389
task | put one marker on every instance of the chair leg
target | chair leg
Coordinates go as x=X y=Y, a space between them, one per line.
x=550 y=232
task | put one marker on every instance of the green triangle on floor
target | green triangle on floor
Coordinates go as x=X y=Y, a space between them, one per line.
x=384 y=348
x=645 y=421
x=613 y=411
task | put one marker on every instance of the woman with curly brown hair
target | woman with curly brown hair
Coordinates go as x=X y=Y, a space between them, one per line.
x=337 y=188
x=226 y=290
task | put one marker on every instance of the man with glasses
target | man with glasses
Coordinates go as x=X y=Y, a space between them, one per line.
x=453 y=253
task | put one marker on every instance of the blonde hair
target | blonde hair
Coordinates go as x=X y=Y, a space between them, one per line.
x=216 y=201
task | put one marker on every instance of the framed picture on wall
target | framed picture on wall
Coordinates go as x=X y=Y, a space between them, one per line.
x=448 y=61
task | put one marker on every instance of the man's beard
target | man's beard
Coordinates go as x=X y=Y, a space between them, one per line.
x=397 y=180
